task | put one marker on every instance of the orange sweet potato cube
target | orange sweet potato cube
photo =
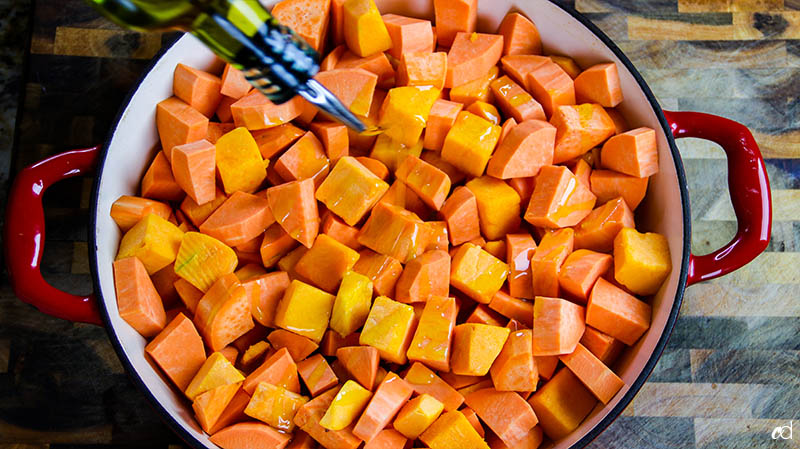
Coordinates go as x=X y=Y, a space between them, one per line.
x=326 y=263
x=383 y=271
x=557 y=326
x=615 y=312
x=425 y=276
x=304 y=159
x=559 y=199
x=255 y=111
x=580 y=128
x=395 y=232
x=428 y=182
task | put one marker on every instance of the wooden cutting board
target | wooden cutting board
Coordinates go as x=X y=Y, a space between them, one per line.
x=731 y=371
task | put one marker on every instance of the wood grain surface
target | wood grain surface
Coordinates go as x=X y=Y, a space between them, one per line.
x=731 y=371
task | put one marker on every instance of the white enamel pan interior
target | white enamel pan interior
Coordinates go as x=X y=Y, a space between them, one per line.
x=128 y=152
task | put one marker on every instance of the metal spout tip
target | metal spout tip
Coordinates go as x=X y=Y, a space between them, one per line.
x=316 y=94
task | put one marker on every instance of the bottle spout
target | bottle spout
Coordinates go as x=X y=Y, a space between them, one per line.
x=316 y=94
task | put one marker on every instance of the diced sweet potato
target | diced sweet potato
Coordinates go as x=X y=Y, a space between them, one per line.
x=382 y=270
x=557 y=326
x=505 y=412
x=389 y=397
x=524 y=151
x=597 y=377
x=580 y=128
x=471 y=55
x=178 y=123
x=599 y=84
x=395 y=232
x=633 y=152
x=409 y=35
x=580 y=271
x=159 y=183
x=559 y=199
x=598 y=229
x=608 y=184
x=308 y=18
x=178 y=350
x=615 y=312
x=520 y=35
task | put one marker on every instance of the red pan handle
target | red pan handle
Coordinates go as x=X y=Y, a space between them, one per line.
x=749 y=188
x=24 y=236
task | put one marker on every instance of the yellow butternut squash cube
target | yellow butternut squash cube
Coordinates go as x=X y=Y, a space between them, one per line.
x=347 y=405
x=350 y=190
x=304 y=310
x=417 y=415
x=477 y=273
x=405 y=111
x=152 y=240
x=352 y=304
x=452 y=430
x=470 y=142
x=275 y=406
x=202 y=260
x=215 y=372
x=475 y=346
x=498 y=206
x=641 y=261
x=389 y=329
x=391 y=152
x=562 y=404
x=239 y=162
x=364 y=31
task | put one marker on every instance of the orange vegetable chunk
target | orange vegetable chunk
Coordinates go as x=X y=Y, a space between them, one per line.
x=482 y=314
x=498 y=206
x=551 y=86
x=137 y=299
x=441 y=118
x=387 y=439
x=519 y=66
x=460 y=211
x=128 y=210
x=513 y=308
x=526 y=149
x=428 y=182
x=302 y=440
x=546 y=365
x=599 y=84
x=364 y=30
x=308 y=18
x=422 y=69
x=477 y=273
x=634 y=153
x=299 y=347
x=233 y=413
x=293 y=205
x=272 y=141
x=189 y=294
x=304 y=310
x=478 y=90
x=597 y=377
x=353 y=86
x=547 y=259
x=159 y=183
x=559 y=199
x=223 y=313
x=557 y=326
x=178 y=350
x=178 y=123
x=424 y=277
x=616 y=313
x=275 y=406
x=391 y=394
x=198 y=214
x=361 y=363
x=425 y=381
x=334 y=227
x=351 y=190
x=514 y=101
x=580 y=128
x=598 y=229
x=193 y=167
x=234 y=84
x=378 y=64
x=326 y=263
x=255 y=111
x=409 y=35
x=275 y=244
x=377 y=167
x=520 y=35
x=485 y=111
x=453 y=16
x=519 y=250
x=383 y=271
x=433 y=338
x=241 y=218
x=309 y=416
x=217 y=130
x=389 y=328
x=333 y=137
x=303 y=160
x=279 y=370
x=250 y=435
x=505 y=412
x=514 y=369
x=209 y=406
x=199 y=89
x=471 y=55
x=452 y=430
x=603 y=346
x=580 y=271
x=568 y=64
x=562 y=404
x=475 y=348
x=395 y=232
x=608 y=184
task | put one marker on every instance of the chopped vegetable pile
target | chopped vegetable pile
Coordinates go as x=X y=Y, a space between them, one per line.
x=466 y=279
